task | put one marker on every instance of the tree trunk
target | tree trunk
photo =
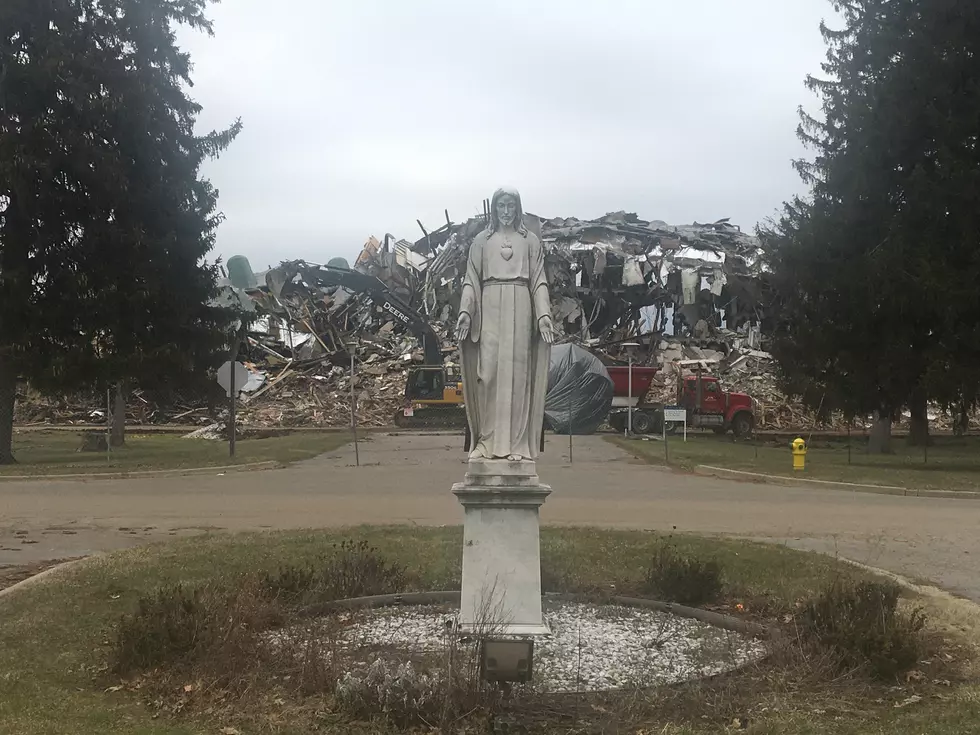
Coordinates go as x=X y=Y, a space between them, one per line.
x=880 y=439
x=117 y=436
x=961 y=419
x=8 y=395
x=919 y=423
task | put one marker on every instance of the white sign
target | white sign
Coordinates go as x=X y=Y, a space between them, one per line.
x=675 y=414
x=241 y=377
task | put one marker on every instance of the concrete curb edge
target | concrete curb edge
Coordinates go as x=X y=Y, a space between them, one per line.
x=711 y=471
x=250 y=467
x=41 y=576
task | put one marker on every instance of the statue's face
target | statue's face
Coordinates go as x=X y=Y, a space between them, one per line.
x=506 y=210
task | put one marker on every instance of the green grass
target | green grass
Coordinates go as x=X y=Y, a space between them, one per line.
x=54 y=637
x=953 y=463
x=56 y=452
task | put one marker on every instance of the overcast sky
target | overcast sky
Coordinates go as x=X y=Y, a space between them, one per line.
x=362 y=115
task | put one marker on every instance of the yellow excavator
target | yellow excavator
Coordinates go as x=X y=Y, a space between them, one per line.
x=433 y=398
x=433 y=391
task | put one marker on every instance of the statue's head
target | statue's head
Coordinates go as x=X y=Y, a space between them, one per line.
x=506 y=210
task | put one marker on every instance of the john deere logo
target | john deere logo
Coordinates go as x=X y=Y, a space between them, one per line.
x=397 y=312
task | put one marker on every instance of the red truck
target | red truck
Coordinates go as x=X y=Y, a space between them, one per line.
x=701 y=395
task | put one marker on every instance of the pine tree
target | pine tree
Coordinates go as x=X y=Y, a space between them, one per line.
x=105 y=220
x=876 y=268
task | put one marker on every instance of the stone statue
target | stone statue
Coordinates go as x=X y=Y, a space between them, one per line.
x=505 y=333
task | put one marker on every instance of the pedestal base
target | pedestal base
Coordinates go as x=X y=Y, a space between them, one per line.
x=501 y=586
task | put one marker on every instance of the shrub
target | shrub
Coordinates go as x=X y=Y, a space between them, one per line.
x=676 y=577
x=555 y=580
x=290 y=583
x=394 y=690
x=168 y=626
x=406 y=696
x=177 y=626
x=357 y=569
x=861 y=622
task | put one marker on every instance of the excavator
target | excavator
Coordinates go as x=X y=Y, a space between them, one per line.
x=433 y=392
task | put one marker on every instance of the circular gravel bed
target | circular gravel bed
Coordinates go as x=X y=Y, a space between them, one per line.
x=591 y=648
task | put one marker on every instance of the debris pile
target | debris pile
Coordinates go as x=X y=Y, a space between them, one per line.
x=33 y=408
x=611 y=279
x=320 y=395
x=687 y=297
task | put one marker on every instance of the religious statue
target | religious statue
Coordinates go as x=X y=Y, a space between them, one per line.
x=505 y=334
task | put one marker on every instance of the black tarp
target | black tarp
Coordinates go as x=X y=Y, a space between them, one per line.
x=579 y=388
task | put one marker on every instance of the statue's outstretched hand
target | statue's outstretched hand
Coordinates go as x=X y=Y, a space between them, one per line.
x=463 y=326
x=547 y=329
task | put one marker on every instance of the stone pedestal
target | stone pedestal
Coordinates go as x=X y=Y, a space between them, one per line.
x=501 y=552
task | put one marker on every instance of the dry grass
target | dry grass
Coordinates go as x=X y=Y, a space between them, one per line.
x=56 y=452
x=952 y=463
x=56 y=648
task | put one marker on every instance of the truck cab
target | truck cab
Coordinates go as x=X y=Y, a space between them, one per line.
x=708 y=405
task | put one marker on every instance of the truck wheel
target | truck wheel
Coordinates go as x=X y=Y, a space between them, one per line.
x=742 y=425
x=642 y=423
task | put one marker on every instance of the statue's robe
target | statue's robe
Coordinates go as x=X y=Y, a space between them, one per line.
x=504 y=358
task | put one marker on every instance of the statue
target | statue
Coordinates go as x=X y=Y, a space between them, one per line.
x=505 y=334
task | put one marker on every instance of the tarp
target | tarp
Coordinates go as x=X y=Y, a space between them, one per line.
x=580 y=391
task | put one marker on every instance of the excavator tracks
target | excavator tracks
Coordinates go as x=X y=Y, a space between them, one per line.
x=432 y=417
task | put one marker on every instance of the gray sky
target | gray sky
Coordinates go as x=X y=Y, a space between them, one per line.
x=363 y=115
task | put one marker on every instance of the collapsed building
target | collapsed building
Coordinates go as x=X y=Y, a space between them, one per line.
x=692 y=296
x=688 y=295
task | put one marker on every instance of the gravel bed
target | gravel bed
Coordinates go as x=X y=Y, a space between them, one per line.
x=591 y=648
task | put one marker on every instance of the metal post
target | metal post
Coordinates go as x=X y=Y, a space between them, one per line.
x=108 y=425
x=848 y=442
x=353 y=409
x=629 y=415
x=570 y=459
x=232 y=428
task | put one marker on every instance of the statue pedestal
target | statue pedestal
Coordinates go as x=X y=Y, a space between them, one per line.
x=501 y=590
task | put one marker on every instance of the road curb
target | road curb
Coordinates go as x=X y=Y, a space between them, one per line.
x=710 y=471
x=41 y=576
x=251 y=467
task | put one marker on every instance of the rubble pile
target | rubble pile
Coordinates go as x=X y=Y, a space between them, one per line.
x=33 y=408
x=691 y=297
x=612 y=280
x=320 y=395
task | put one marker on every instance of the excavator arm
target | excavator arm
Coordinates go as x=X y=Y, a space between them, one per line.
x=375 y=289
x=372 y=287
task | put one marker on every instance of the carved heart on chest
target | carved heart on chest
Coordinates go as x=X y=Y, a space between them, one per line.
x=506 y=252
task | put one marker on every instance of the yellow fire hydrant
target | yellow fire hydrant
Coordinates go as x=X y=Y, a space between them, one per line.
x=799 y=455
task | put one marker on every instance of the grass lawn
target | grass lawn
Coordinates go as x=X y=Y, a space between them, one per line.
x=56 y=452
x=54 y=636
x=953 y=463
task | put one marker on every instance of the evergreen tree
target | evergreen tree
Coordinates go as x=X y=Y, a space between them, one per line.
x=876 y=269
x=105 y=220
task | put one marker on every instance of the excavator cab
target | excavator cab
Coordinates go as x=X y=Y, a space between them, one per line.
x=434 y=384
x=425 y=384
x=433 y=398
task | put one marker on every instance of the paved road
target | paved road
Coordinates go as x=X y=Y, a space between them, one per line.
x=407 y=479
